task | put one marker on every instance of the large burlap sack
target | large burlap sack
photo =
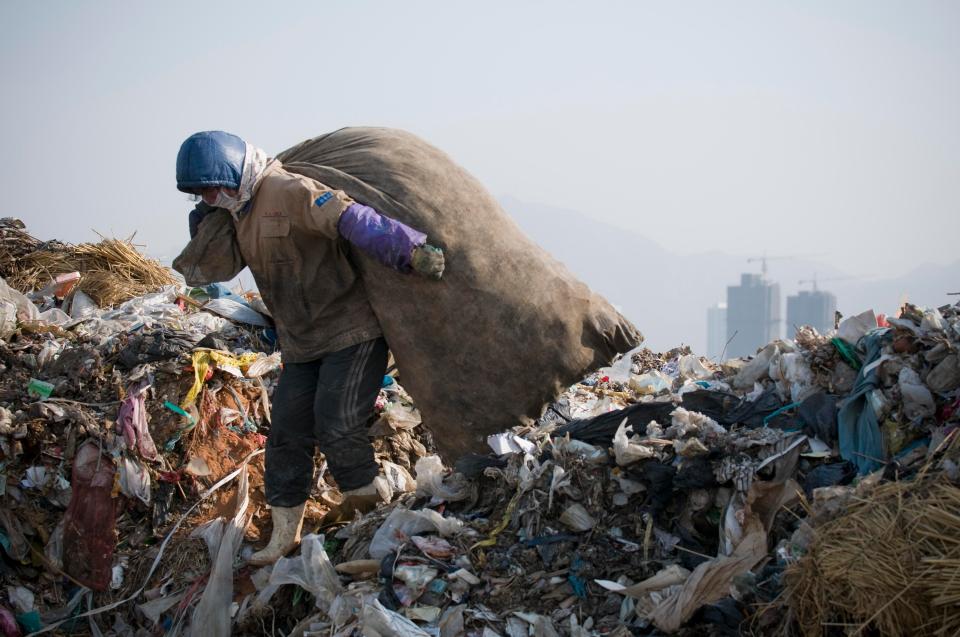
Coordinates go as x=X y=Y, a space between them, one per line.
x=506 y=329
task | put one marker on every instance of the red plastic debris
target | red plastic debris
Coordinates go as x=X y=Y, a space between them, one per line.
x=89 y=533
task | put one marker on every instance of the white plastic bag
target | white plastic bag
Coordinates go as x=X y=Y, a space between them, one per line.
x=852 y=329
x=134 y=480
x=26 y=310
x=402 y=524
x=620 y=371
x=311 y=570
x=652 y=382
x=430 y=481
x=691 y=367
x=379 y=621
x=82 y=306
x=212 y=615
x=628 y=449
x=236 y=311
x=264 y=365
x=917 y=399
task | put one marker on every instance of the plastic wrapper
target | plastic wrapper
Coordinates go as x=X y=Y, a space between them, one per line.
x=416 y=577
x=578 y=518
x=53 y=550
x=264 y=365
x=398 y=478
x=945 y=376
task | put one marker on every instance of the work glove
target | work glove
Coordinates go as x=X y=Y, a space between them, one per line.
x=427 y=260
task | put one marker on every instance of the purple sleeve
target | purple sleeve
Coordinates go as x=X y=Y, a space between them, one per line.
x=386 y=240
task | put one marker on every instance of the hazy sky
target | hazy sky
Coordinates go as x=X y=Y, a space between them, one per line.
x=820 y=128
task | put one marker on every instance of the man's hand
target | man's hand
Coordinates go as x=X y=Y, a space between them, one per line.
x=427 y=261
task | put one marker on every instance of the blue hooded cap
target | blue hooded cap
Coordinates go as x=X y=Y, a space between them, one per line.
x=210 y=158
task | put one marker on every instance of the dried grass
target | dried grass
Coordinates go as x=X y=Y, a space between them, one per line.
x=891 y=564
x=112 y=270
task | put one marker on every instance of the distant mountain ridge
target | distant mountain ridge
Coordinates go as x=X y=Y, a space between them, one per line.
x=666 y=294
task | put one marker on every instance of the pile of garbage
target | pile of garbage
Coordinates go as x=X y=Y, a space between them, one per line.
x=814 y=484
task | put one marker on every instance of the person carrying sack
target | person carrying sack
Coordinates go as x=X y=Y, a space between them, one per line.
x=291 y=230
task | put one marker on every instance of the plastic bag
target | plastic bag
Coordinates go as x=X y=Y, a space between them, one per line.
x=620 y=371
x=311 y=570
x=26 y=310
x=653 y=382
x=381 y=622
x=854 y=328
x=577 y=518
x=204 y=322
x=82 y=306
x=628 y=450
x=794 y=379
x=401 y=417
x=401 y=524
x=212 y=615
x=264 y=365
x=399 y=478
x=758 y=368
x=691 y=367
x=430 y=481
x=134 y=480
x=917 y=399
x=236 y=311
x=8 y=318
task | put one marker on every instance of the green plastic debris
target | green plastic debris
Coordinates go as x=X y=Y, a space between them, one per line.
x=847 y=353
x=30 y=621
x=39 y=389
x=178 y=410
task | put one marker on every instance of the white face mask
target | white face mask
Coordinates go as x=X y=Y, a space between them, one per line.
x=226 y=201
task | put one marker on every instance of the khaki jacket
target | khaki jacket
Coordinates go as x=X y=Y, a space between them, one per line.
x=289 y=240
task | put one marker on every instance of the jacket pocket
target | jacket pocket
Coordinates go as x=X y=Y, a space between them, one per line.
x=275 y=227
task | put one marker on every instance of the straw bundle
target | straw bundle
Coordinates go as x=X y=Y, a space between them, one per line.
x=891 y=564
x=112 y=270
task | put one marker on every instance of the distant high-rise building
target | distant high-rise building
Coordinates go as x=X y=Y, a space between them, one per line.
x=815 y=309
x=753 y=315
x=716 y=330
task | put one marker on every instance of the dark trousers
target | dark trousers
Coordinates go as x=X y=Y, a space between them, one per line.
x=326 y=403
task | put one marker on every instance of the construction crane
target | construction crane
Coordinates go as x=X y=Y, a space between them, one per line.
x=763 y=261
x=815 y=280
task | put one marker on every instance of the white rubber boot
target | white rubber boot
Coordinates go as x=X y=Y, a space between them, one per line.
x=368 y=497
x=362 y=499
x=287 y=523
